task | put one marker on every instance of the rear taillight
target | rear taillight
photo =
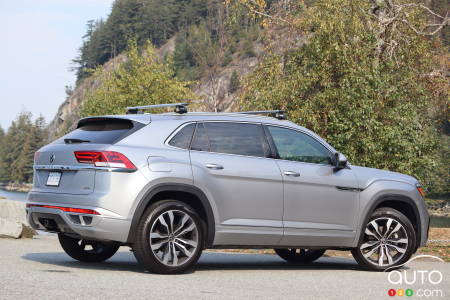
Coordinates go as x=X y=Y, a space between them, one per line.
x=109 y=159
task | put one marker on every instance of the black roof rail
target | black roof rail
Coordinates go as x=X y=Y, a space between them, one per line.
x=279 y=114
x=180 y=108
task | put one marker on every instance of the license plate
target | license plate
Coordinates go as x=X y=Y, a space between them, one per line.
x=54 y=178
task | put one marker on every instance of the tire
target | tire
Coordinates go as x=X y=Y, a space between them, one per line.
x=76 y=248
x=299 y=256
x=169 y=238
x=387 y=241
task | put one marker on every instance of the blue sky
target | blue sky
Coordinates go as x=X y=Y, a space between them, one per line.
x=39 y=38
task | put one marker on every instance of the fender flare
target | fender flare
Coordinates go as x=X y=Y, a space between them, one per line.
x=174 y=187
x=391 y=197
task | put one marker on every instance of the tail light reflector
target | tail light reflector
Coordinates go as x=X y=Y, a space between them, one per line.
x=421 y=191
x=109 y=159
x=67 y=209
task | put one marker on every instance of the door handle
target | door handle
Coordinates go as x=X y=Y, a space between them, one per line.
x=291 y=173
x=214 y=166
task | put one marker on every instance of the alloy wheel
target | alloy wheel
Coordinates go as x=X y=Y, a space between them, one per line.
x=385 y=242
x=174 y=238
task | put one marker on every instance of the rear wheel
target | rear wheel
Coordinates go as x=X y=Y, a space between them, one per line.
x=169 y=238
x=388 y=240
x=86 y=250
x=301 y=256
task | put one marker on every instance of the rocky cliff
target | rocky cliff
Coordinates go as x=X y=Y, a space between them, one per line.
x=215 y=92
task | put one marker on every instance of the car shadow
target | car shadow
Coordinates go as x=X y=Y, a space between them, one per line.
x=209 y=261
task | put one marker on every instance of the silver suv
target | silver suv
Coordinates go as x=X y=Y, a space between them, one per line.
x=170 y=185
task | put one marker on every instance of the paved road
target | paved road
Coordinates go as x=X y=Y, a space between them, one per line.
x=38 y=269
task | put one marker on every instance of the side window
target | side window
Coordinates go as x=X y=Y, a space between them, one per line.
x=237 y=138
x=200 y=141
x=297 y=146
x=183 y=137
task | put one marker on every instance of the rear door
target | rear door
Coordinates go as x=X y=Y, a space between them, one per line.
x=56 y=167
x=230 y=162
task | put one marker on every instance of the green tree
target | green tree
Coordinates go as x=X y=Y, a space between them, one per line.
x=143 y=79
x=2 y=136
x=21 y=141
x=234 y=82
x=2 y=154
x=21 y=151
x=352 y=86
x=143 y=20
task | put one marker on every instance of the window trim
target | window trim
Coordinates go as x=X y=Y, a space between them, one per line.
x=277 y=155
x=170 y=137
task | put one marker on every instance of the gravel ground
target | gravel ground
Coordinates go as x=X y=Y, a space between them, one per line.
x=38 y=268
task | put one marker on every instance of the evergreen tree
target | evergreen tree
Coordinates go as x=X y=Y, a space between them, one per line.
x=18 y=146
x=234 y=82
x=142 y=20
x=2 y=154
x=2 y=135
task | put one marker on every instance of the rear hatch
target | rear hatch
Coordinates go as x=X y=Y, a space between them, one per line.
x=57 y=170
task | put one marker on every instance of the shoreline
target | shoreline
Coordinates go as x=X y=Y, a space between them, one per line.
x=17 y=187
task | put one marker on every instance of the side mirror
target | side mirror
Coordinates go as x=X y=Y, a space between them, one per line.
x=340 y=161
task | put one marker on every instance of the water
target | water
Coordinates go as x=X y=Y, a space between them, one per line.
x=441 y=222
x=13 y=195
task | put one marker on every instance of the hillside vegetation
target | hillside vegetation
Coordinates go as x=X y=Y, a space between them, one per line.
x=369 y=76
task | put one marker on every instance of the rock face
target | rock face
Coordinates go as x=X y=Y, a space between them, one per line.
x=68 y=111
x=13 y=222
x=215 y=92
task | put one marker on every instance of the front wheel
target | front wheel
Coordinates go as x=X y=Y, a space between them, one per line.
x=300 y=256
x=388 y=240
x=86 y=250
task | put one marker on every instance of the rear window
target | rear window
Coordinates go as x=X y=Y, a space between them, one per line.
x=237 y=138
x=183 y=137
x=101 y=131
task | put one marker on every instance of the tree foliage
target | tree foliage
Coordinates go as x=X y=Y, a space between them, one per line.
x=234 y=82
x=142 y=20
x=142 y=79
x=23 y=138
x=374 y=107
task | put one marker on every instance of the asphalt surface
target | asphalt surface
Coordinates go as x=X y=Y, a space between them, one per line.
x=38 y=269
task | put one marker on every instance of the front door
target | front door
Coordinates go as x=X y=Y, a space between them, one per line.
x=230 y=163
x=320 y=204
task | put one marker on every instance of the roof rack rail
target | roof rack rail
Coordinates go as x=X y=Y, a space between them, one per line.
x=180 y=108
x=279 y=114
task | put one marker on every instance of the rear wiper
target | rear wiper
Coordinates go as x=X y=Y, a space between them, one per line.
x=75 y=141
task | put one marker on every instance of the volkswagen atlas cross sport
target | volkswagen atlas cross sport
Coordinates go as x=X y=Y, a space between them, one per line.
x=170 y=185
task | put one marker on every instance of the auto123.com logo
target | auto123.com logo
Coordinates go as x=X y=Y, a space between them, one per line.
x=403 y=281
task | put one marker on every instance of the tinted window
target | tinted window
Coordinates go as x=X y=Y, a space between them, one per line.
x=200 y=141
x=296 y=146
x=107 y=131
x=183 y=137
x=237 y=138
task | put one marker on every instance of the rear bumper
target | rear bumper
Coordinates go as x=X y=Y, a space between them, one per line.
x=96 y=227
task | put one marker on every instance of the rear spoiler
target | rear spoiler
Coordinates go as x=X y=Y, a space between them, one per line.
x=141 y=119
